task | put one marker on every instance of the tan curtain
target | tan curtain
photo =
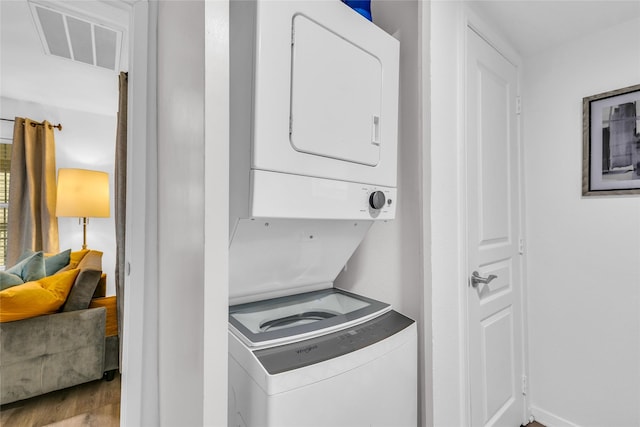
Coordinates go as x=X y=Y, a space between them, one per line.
x=120 y=200
x=32 y=190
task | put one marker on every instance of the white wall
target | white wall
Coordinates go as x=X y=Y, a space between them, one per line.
x=139 y=391
x=583 y=253
x=448 y=280
x=216 y=227
x=180 y=177
x=87 y=141
x=388 y=265
x=193 y=205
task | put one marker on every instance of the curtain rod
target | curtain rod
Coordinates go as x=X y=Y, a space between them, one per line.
x=58 y=126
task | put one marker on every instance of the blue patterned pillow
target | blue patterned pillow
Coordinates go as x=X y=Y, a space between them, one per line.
x=8 y=280
x=55 y=262
x=52 y=263
x=30 y=268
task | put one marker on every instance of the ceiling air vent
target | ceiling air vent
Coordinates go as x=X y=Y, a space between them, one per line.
x=77 y=38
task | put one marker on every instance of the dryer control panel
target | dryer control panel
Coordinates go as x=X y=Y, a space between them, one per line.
x=317 y=198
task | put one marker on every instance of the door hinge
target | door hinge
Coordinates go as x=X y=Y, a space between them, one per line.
x=521 y=246
x=518 y=105
x=290 y=125
x=524 y=385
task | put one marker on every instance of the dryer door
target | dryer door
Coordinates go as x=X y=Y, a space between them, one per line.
x=325 y=93
x=335 y=96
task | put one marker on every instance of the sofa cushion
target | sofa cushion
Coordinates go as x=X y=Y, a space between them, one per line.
x=90 y=267
x=55 y=262
x=8 y=280
x=92 y=260
x=29 y=268
x=24 y=255
x=52 y=262
x=82 y=290
x=74 y=259
x=35 y=298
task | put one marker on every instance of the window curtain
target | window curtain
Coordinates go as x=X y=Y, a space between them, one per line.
x=32 y=221
x=120 y=200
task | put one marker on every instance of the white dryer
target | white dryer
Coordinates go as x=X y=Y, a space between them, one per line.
x=314 y=110
x=314 y=113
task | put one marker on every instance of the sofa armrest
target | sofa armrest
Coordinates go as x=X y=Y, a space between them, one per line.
x=112 y=342
x=101 y=289
x=51 y=352
x=110 y=303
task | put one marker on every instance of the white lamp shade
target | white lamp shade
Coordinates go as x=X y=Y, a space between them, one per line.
x=82 y=193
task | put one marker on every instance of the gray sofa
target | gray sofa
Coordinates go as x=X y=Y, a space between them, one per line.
x=51 y=352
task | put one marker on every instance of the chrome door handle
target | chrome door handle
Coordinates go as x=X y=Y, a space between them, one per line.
x=476 y=279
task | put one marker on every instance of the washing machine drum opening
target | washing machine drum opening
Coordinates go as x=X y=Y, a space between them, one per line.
x=295 y=317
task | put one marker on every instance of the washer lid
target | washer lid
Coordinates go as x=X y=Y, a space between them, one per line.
x=293 y=318
x=275 y=257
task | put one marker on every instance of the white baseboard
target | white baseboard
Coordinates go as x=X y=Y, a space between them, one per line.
x=549 y=419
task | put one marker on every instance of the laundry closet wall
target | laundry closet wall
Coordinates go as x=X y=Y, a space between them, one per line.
x=391 y=265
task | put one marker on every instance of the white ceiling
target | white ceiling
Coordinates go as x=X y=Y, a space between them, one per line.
x=533 y=26
x=27 y=73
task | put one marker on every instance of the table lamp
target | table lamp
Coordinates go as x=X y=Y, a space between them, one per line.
x=83 y=193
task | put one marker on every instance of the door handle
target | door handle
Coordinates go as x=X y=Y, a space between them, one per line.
x=476 y=279
x=375 y=130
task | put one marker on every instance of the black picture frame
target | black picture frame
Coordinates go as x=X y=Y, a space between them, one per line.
x=611 y=143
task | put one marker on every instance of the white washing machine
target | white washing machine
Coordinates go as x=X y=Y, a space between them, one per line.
x=326 y=358
x=313 y=130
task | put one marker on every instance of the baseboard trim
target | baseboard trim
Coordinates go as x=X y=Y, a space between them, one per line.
x=549 y=419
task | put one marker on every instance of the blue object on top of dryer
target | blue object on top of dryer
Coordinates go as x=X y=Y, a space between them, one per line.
x=363 y=7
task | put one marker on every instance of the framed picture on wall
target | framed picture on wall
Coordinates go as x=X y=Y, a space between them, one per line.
x=611 y=142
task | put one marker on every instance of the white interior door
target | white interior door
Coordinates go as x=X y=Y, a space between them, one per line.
x=494 y=305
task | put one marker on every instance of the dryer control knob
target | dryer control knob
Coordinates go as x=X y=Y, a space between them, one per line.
x=377 y=200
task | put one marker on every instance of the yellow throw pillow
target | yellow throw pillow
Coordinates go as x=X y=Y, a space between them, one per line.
x=44 y=296
x=76 y=257
x=74 y=260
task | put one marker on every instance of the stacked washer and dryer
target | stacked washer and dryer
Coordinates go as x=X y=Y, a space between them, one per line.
x=314 y=124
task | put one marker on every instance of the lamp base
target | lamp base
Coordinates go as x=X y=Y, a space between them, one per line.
x=84 y=221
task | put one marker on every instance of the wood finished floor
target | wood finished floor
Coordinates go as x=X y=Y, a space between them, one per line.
x=94 y=404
